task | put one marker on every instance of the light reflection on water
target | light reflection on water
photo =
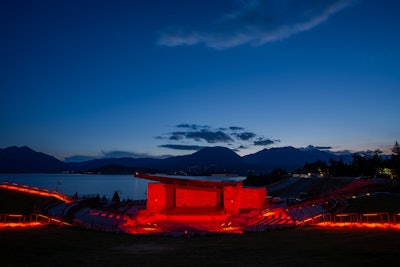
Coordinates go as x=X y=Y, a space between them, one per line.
x=126 y=185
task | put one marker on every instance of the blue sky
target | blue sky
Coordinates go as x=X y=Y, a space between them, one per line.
x=152 y=78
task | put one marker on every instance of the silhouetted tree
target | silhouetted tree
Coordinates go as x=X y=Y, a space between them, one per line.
x=255 y=180
x=318 y=167
x=115 y=197
x=395 y=159
x=396 y=149
x=276 y=175
x=264 y=179
x=368 y=164
x=338 y=168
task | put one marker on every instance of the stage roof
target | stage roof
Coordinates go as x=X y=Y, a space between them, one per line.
x=188 y=182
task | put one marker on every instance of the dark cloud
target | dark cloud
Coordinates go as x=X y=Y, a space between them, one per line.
x=245 y=136
x=176 y=136
x=235 y=137
x=257 y=22
x=209 y=136
x=263 y=142
x=194 y=127
x=182 y=147
x=202 y=135
x=236 y=128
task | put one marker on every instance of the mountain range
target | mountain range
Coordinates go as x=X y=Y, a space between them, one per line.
x=209 y=160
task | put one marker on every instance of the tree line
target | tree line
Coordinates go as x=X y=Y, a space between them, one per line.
x=367 y=164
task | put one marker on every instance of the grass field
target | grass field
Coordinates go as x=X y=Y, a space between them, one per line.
x=19 y=202
x=53 y=246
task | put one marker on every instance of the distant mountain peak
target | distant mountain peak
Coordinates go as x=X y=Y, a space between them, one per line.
x=215 y=149
x=207 y=160
x=216 y=152
x=17 y=148
x=24 y=159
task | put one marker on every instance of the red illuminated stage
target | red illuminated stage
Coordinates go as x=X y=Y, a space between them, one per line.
x=176 y=205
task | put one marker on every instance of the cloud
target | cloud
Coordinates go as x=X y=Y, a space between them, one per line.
x=177 y=136
x=257 y=22
x=209 y=136
x=182 y=147
x=264 y=142
x=192 y=126
x=233 y=136
x=245 y=136
x=199 y=133
x=236 y=128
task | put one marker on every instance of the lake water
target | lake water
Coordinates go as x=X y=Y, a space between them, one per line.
x=84 y=184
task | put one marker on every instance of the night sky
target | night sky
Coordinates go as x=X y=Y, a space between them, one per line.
x=168 y=77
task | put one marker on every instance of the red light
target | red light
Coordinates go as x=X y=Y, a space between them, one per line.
x=40 y=192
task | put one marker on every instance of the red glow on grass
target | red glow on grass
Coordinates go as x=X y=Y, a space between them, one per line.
x=370 y=225
x=20 y=224
x=33 y=220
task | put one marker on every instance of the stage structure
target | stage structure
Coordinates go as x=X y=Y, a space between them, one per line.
x=182 y=205
x=176 y=195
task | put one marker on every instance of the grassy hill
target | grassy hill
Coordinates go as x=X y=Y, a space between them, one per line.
x=378 y=202
x=21 y=203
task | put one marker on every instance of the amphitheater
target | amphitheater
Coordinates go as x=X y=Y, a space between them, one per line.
x=178 y=206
